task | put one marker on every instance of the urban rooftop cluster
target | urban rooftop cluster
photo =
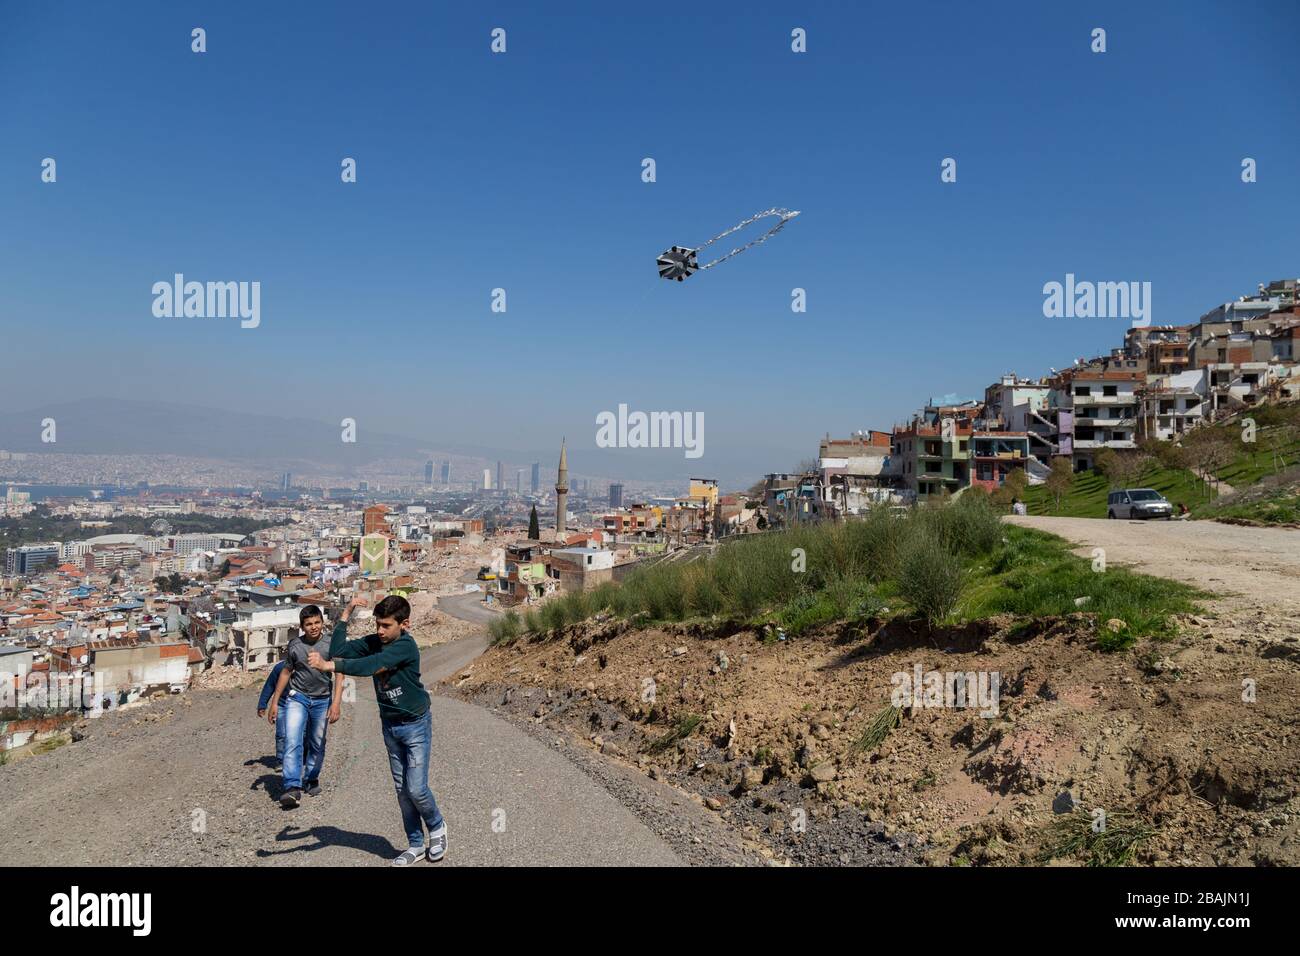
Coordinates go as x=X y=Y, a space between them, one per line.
x=1160 y=384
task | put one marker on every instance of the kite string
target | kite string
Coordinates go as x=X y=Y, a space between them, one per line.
x=785 y=214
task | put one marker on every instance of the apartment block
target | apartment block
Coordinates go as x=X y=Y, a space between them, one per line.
x=935 y=459
x=1171 y=405
x=1105 y=407
x=995 y=454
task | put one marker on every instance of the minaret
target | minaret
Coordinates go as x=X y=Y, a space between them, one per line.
x=562 y=491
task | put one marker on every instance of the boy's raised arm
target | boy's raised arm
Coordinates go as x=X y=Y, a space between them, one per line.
x=340 y=646
x=390 y=658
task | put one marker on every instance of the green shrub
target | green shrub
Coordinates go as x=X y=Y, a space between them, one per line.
x=969 y=526
x=552 y=616
x=505 y=629
x=853 y=598
x=806 y=612
x=877 y=541
x=703 y=595
x=931 y=577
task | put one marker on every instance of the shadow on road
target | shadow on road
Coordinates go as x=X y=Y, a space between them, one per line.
x=272 y=783
x=327 y=836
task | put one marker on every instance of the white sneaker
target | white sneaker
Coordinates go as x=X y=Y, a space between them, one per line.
x=437 y=848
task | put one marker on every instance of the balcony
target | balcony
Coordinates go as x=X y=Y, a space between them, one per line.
x=1105 y=421
x=1124 y=398
x=1084 y=444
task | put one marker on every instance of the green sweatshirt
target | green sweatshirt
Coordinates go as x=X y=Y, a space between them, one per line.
x=395 y=668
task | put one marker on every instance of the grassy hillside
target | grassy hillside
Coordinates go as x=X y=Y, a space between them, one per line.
x=1087 y=495
x=1277 y=443
x=943 y=564
x=1276 y=447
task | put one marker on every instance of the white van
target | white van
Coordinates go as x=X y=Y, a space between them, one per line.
x=1138 y=503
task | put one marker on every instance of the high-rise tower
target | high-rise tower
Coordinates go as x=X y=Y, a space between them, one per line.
x=562 y=492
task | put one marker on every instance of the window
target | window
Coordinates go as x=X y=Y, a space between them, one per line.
x=1081 y=390
x=1111 y=390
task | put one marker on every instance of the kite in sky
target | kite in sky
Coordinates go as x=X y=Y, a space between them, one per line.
x=679 y=261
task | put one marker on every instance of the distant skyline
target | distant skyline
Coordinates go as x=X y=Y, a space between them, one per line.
x=304 y=446
x=522 y=171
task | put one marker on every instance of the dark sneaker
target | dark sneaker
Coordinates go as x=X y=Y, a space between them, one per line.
x=290 y=799
x=437 y=844
x=313 y=788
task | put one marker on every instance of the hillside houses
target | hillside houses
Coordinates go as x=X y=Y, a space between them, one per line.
x=1160 y=384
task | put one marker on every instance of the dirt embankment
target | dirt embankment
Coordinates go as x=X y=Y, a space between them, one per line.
x=1194 y=737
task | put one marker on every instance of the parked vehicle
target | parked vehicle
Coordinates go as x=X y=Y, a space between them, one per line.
x=1138 y=503
x=485 y=574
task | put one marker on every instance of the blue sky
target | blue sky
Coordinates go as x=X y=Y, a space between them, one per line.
x=522 y=171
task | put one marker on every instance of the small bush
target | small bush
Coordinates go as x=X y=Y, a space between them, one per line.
x=505 y=629
x=969 y=526
x=552 y=616
x=683 y=729
x=931 y=578
x=807 y=612
x=532 y=622
x=703 y=595
x=853 y=598
x=601 y=598
x=877 y=540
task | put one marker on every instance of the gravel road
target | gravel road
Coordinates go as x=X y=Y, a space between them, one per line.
x=187 y=781
x=1245 y=566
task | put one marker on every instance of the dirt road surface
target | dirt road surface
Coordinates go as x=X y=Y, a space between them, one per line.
x=1250 y=569
x=188 y=781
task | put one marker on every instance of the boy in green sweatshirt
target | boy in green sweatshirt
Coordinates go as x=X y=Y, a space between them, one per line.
x=392 y=658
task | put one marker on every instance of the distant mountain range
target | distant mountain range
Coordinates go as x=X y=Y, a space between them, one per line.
x=123 y=427
x=111 y=426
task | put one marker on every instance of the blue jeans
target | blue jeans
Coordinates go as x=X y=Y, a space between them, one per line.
x=309 y=715
x=279 y=734
x=408 y=758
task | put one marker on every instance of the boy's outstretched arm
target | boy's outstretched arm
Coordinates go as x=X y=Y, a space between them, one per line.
x=340 y=646
x=390 y=658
